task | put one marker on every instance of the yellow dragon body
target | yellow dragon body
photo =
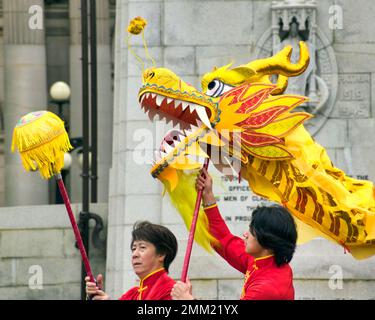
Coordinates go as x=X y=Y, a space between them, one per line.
x=249 y=125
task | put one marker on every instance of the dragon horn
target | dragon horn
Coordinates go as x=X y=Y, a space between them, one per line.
x=280 y=63
x=281 y=85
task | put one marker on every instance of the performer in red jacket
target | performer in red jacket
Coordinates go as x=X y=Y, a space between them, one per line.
x=263 y=255
x=154 y=247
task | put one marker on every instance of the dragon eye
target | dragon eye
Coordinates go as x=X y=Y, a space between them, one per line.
x=216 y=88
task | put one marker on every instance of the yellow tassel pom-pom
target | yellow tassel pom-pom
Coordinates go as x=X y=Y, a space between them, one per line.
x=137 y=25
x=42 y=141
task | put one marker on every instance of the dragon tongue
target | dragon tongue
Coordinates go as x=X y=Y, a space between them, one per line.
x=170 y=139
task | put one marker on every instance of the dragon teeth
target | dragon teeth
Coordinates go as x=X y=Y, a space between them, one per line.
x=181 y=137
x=188 y=132
x=164 y=146
x=203 y=116
x=157 y=155
x=184 y=105
x=169 y=100
x=151 y=116
x=159 y=100
x=153 y=95
x=167 y=147
x=234 y=171
x=192 y=107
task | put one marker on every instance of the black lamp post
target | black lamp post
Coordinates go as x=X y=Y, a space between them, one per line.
x=60 y=94
x=89 y=172
x=83 y=215
x=94 y=104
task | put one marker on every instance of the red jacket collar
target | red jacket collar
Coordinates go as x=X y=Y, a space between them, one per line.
x=151 y=278
x=265 y=261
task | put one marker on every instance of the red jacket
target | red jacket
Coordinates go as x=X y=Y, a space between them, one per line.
x=264 y=280
x=155 y=286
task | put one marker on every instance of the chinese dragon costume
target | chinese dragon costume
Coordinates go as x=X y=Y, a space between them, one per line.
x=249 y=124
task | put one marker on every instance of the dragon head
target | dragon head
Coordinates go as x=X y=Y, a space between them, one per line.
x=240 y=113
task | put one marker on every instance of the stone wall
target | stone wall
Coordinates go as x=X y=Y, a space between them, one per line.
x=38 y=257
x=2 y=169
x=190 y=37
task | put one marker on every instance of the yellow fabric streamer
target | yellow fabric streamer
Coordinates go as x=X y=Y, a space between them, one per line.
x=42 y=141
x=183 y=198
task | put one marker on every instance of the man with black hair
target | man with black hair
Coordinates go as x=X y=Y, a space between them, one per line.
x=263 y=255
x=153 y=247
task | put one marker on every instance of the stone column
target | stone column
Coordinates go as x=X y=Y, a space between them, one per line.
x=105 y=107
x=25 y=91
x=134 y=194
x=116 y=235
x=75 y=72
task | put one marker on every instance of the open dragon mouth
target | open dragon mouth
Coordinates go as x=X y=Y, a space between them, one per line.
x=184 y=113
x=192 y=119
x=172 y=138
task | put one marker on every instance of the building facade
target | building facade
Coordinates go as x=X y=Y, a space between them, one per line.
x=188 y=37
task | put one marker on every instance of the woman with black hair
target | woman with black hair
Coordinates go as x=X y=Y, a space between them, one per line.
x=263 y=255
x=153 y=247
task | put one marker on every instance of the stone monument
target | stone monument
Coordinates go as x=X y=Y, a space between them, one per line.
x=294 y=21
